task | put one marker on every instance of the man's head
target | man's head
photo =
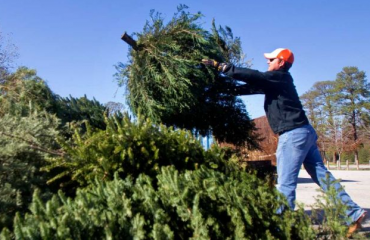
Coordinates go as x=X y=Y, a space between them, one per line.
x=280 y=58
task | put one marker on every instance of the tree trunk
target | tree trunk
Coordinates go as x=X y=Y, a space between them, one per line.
x=130 y=41
x=355 y=137
x=335 y=157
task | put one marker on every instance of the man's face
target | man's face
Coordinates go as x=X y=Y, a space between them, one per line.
x=274 y=64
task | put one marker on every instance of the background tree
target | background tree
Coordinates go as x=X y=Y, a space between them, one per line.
x=165 y=81
x=22 y=88
x=311 y=104
x=321 y=109
x=8 y=53
x=113 y=108
x=365 y=120
x=352 y=94
x=339 y=110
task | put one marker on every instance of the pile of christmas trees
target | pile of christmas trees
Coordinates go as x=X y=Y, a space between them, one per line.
x=95 y=176
x=138 y=180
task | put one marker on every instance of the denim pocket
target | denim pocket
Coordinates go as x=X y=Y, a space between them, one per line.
x=300 y=138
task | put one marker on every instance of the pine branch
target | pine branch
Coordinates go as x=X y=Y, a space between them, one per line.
x=34 y=145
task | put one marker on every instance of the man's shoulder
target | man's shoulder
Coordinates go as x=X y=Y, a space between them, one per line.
x=278 y=75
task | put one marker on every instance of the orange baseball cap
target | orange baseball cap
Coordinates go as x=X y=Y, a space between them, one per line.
x=281 y=53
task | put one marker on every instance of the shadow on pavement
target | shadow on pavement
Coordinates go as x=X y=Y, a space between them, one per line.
x=309 y=180
x=365 y=224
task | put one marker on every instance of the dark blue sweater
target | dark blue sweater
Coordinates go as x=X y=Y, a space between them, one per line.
x=283 y=108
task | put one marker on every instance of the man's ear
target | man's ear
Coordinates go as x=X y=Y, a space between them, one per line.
x=281 y=63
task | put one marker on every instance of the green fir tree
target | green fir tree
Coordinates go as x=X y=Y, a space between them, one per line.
x=166 y=82
x=75 y=110
x=198 y=204
x=22 y=88
x=25 y=144
x=130 y=148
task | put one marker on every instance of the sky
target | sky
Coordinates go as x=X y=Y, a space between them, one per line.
x=75 y=45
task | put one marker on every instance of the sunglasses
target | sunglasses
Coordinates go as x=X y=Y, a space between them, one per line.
x=271 y=59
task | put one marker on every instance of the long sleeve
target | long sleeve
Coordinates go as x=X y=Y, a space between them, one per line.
x=245 y=74
x=283 y=108
x=265 y=81
x=242 y=90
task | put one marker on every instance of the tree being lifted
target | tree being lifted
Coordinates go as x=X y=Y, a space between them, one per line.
x=166 y=82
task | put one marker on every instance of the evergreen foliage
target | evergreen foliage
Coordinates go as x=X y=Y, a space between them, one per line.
x=72 y=110
x=29 y=126
x=353 y=95
x=166 y=82
x=141 y=179
x=23 y=88
x=331 y=212
x=25 y=143
x=131 y=148
x=198 y=204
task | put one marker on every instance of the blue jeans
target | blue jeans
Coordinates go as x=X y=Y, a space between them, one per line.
x=297 y=147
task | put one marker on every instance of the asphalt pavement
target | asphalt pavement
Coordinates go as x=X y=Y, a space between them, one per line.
x=355 y=182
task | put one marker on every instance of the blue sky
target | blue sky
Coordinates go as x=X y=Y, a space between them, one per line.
x=74 y=45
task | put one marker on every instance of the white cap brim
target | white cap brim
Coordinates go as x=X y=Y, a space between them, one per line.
x=273 y=54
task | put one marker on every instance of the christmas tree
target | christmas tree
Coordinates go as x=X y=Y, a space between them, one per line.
x=130 y=148
x=166 y=82
x=199 y=204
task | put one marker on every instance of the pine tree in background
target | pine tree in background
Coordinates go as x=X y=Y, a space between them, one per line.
x=352 y=96
x=166 y=82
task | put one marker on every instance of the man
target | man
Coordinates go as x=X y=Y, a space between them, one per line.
x=285 y=114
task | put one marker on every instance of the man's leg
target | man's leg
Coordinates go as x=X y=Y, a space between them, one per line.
x=318 y=172
x=292 y=150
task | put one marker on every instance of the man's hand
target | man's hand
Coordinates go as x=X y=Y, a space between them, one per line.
x=210 y=62
x=214 y=63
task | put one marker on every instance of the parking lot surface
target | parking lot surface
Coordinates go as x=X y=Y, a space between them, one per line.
x=355 y=182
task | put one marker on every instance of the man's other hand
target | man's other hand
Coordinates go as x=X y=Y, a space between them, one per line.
x=210 y=62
